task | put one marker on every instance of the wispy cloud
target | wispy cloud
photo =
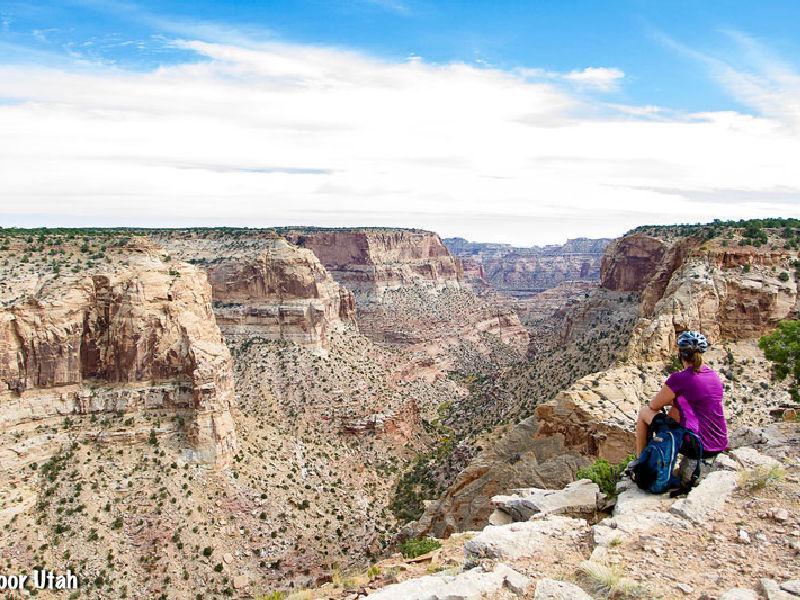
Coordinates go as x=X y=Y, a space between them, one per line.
x=751 y=73
x=270 y=132
x=603 y=79
x=394 y=6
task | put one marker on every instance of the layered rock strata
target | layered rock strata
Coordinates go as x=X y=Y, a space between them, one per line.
x=521 y=272
x=264 y=286
x=732 y=293
x=132 y=334
x=371 y=261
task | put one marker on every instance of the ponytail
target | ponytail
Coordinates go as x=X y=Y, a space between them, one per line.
x=694 y=358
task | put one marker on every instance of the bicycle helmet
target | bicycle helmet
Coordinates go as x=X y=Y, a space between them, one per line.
x=692 y=340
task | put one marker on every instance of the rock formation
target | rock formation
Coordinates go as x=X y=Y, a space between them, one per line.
x=134 y=334
x=733 y=293
x=521 y=272
x=264 y=286
x=409 y=293
x=371 y=261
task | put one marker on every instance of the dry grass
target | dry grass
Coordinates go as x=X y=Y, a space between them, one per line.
x=609 y=581
x=761 y=477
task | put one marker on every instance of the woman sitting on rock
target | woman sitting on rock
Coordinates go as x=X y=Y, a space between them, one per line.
x=695 y=398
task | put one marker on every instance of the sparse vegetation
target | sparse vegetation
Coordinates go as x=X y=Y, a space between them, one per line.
x=604 y=474
x=419 y=546
x=761 y=477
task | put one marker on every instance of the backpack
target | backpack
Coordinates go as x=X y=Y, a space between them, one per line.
x=654 y=470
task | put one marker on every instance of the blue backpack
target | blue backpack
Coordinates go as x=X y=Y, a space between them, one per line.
x=667 y=440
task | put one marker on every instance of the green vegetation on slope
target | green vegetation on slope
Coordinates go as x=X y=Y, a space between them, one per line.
x=782 y=347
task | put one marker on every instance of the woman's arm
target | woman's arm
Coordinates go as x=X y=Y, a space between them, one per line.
x=665 y=397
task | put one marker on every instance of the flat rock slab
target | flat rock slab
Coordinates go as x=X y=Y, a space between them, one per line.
x=622 y=527
x=707 y=498
x=577 y=499
x=550 y=589
x=750 y=458
x=522 y=540
x=739 y=594
x=773 y=591
x=792 y=586
x=632 y=500
x=468 y=585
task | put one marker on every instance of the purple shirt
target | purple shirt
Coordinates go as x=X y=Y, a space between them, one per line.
x=699 y=399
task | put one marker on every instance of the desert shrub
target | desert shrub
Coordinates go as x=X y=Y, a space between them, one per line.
x=418 y=547
x=604 y=474
x=782 y=348
x=760 y=477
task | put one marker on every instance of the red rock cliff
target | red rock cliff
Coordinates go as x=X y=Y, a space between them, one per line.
x=369 y=261
x=132 y=334
x=266 y=286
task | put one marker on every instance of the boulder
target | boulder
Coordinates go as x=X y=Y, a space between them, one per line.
x=746 y=436
x=522 y=540
x=750 y=458
x=773 y=591
x=707 y=498
x=739 y=594
x=579 y=498
x=472 y=584
x=550 y=589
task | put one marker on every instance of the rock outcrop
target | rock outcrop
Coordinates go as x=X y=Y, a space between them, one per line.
x=733 y=293
x=522 y=272
x=371 y=261
x=264 y=286
x=134 y=334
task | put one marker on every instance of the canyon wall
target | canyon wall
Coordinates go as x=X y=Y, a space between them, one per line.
x=371 y=261
x=732 y=293
x=525 y=271
x=713 y=282
x=128 y=335
x=262 y=285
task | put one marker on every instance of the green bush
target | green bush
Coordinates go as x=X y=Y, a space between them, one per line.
x=604 y=474
x=418 y=547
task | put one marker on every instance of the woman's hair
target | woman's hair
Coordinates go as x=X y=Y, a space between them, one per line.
x=693 y=357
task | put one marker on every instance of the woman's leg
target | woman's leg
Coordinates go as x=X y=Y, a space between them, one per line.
x=644 y=419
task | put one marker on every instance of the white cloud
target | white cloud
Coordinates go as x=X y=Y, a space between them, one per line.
x=291 y=134
x=601 y=78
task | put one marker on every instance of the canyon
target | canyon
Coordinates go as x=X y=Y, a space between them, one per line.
x=522 y=272
x=247 y=410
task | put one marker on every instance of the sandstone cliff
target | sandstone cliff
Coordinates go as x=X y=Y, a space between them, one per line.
x=525 y=271
x=264 y=286
x=132 y=333
x=717 y=283
x=733 y=293
x=372 y=261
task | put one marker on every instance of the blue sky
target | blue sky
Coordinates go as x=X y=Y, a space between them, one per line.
x=554 y=35
x=626 y=69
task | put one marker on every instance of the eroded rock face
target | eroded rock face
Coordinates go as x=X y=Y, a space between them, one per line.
x=264 y=286
x=132 y=334
x=519 y=459
x=630 y=262
x=525 y=271
x=371 y=261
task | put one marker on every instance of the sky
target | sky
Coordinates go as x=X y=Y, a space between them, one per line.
x=525 y=122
